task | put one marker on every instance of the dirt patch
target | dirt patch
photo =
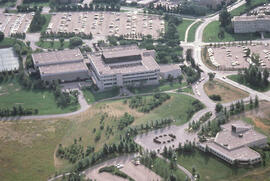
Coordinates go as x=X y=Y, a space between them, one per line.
x=227 y=92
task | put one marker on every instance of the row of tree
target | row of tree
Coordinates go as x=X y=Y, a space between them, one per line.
x=27 y=8
x=17 y=111
x=86 y=7
x=18 y=35
x=66 y=35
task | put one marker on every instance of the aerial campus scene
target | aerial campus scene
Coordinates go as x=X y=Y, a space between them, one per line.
x=138 y=90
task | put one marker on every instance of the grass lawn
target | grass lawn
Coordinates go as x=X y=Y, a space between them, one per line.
x=43 y=4
x=227 y=92
x=49 y=45
x=7 y=42
x=192 y=31
x=235 y=78
x=243 y=9
x=48 y=19
x=11 y=94
x=92 y=96
x=7 y=4
x=182 y=28
x=163 y=86
x=27 y=148
x=211 y=31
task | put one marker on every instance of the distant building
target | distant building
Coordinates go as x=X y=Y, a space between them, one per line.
x=124 y=66
x=233 y=142
x=251 y=24
x=212 y=3
x=66 y=65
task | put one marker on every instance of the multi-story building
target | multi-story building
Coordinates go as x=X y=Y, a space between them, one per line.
x=233 y=142
x=66 y=65
x=124 y=66
x=251 y=24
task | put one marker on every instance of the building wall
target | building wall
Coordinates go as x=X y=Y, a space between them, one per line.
x=67 y=76
x=258 y=25
x=173 y=73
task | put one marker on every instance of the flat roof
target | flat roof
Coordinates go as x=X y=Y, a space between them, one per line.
x=233 y=140
x=169 y=67
x=8 y=60
x=121 y=53
x=63 y=68
x=251 y=18
x=55 y=57
x=147 y=63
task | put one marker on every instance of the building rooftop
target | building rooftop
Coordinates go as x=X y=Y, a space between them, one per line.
x=63 y=68
x=232 y=140
x=146 y=63
x=251 y=18
x=46 y=58
x=169 y=67
x=8 y=60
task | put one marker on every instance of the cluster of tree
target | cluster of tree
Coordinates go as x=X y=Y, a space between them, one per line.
x=18 y=35
x=27 y=8
x=186 y=7
x=133 y=131
x=6 y=1
x=2 y=36
x=240 y=107
x=205 y=117
x=35 y=1
x=225 y=23
x=193 y=74
x=215 y=97
x=75 y=42
x=17 y=111
x=196 y=125
x=37 y=23
x=65 y=35
x=125 y=120
x=145 y=104
x=254 y=77
x=86 y=7
x=196 y=106
x=125 y=146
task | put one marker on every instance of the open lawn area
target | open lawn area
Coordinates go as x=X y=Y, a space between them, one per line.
x=48 y=19
x=163 y=86
x=227 y=92
x=7 y=42
x=92 y=96
x=50 y=45
x=182 y=28
x=192 y=31
x=235 y=78
x=244 y=8
x=13 y=94
x=211 y=34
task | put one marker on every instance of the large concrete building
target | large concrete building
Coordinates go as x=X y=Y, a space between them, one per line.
x=251 y=24
x=66 y=65
x=233 y=142
x=124 y=66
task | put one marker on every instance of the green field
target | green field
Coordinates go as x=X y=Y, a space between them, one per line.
x=43 y=4
x=182 y=28
x=243 y=9
x=192 y=31
x=235 y=78
x=48 y=19
x=92 y=96
x=12 y=94
x=49 y=45
x=7 y=42
x=7 y=4
x=211 y=31
x=163 y=86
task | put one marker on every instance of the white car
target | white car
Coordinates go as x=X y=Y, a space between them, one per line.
x=119 y=166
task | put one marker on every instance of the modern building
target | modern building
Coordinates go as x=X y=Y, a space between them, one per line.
x=66 y=65
x=212 y=3
x=251 y=24
x=124 y=66
x=233 y=142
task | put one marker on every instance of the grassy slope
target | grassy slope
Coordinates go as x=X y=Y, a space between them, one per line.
x=235 y=78
x=91 y=97
x=192 y=31
x=182 y=28
x=28 y=147
x=211 y=31
x=14 y=94
x=227 y=92
x=48 y=45
x=163 y=86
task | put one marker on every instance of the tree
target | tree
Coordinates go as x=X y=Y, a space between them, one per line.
x=248 y=2
x=218 y=108
x=224 y=18
x=211 y=76
x=2 y=36
x=75 y=41
x=265 y=77
x=256 y=104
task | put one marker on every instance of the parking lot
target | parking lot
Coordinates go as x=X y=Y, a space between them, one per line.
x=131 y=25
x=234 y=56
x=15 y=23
x=137 y=172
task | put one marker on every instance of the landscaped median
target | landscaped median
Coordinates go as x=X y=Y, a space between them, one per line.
x=192 y=31
x=182 y=28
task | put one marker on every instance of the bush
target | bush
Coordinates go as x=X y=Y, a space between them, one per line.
x=215 y=97
x=75 y=41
